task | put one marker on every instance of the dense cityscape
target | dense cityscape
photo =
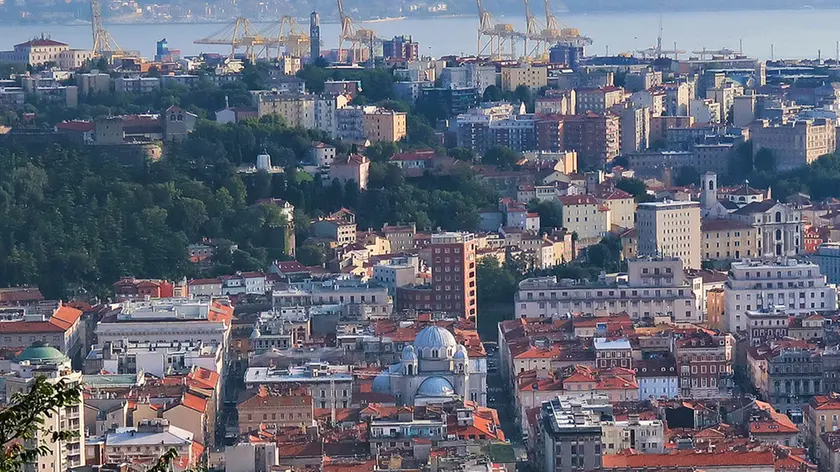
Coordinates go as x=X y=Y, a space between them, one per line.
x=288 y=257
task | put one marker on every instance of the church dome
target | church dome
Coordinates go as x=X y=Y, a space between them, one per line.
x=382 y=382
x=461 y=353
x=434 y=342
x=435 y=387
x=42 y=353
x=408 y=354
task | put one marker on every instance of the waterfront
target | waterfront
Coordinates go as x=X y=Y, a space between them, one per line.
x=616 y=32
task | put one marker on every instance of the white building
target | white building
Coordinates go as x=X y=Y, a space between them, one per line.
x=705 y=111
x=645 y=436
x=586 y=216
x=657 y=378
x=779 y=227
x=828 y=258
x=245 y=282
x=796 y=286
x=670 y=228
x=39 y=360
x=329 y=385
x=168 y=320
x=149 y=441
x=653 y=287
x=323 y=155
x=469 y=75
x=156 y=358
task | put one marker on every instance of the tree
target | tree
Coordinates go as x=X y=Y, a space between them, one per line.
x=687 y=175
x=310 y=255
x=523 y=94
x=765 y=161
x=551 y=213
x=491 y=94
x=501 y=156
x=634 y=187
x=461 y=154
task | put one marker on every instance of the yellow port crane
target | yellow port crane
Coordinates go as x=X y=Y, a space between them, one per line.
x=555 y=32
x=285 y=37
x=358 y=38
x=534 y=32
x=238 y=35
x=498 y=40
x=103 y=42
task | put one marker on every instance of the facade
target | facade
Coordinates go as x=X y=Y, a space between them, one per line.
x=354 y=167
x=727 y=239
x=148 y=441
x=596 y=138
x=654 y=287
x=136 y=84
x=37 y=360
x=657 y=378
x=828 y=258
x=645 y=436
x=670 y=228
x=704 y=362
x=454 y=273
x=597 y=100
x=434 y=369
x=297 y=110
x=93 y=82
x=796 y=143
x=755 y=285
x=586 y=216
x=290 y=410
x=571 y=433
x=384 y=125
x=532 y=76
x=778 y=227
x=36 y=52
x=471 y=75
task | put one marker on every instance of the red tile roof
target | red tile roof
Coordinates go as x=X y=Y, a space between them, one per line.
x=75 y=125
x=194 y=402
x=577 y=200
x=40 y=42
x=689 y=459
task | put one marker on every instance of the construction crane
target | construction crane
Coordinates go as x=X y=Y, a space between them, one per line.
x=498 y=40
x=358 y=38
x=103 y=42
x=239 y=35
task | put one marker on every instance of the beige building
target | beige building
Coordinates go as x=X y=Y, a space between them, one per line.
x=586 y=216
x=385 y=125
x=645 y=436
x=274 y=410
x=622 y=207
x=533 y=77
x=355 y=167
x=795 y=143
x=297 y=110
x=598 y=100
x=38 y=360
x=670 y=229
x=727 y=239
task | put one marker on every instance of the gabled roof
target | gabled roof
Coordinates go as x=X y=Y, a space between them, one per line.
x=40 y=42
x=756 y=207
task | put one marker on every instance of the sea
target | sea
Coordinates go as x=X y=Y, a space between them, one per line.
x=779 y=34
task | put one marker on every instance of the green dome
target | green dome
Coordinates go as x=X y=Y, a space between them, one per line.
x=42 y=353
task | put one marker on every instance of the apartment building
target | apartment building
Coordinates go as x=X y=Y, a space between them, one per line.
x=704 y=362
x=353 y=167
x=297 y=110
x=794 y=143
x=670 y=228
x=653 y=287
x=596 y=138
x=453 y=273
x=534 y=77
x=381 y=124
x=586 y=216
x=828 y=258
x=754 y=285
x=597 y=100
x=727 y=239
x=571 y=433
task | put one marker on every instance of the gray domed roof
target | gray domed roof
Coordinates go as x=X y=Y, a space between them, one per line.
x=42 y=353
x=382 y=382
x=434 y=337
x=408 y=354
x=435 y=387
x=461 y=353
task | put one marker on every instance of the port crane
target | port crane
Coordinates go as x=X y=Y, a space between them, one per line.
x=359 y=38
x=545 y=35
x=103 y=42
x=282 y=37
x=556 y=32
x=658 y=52
x=498 y=40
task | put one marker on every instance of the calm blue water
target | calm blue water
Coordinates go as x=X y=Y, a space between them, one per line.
x=794 y=33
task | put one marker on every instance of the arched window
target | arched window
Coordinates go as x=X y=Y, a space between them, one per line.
x=778 y=217
x=434 y=353
x=711 y=185
x=410 y=369
x=778 y=235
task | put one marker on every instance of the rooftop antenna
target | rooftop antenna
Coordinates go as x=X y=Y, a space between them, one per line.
x=741 y=46
x=659 y=38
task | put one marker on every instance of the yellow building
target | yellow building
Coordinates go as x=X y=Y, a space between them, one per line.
x=727 y=239
x=533 y=77
x=622 y=206
x=629 y=243
x=385 y=125
x=297 y=110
